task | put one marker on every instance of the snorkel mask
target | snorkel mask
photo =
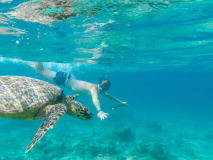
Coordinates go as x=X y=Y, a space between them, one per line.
x=103 y=84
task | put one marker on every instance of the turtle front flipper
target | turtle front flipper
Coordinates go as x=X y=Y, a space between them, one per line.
x=54 y=114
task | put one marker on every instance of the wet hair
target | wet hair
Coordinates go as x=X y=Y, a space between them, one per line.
x=104 y=84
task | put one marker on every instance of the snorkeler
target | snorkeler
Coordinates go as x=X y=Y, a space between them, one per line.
x=79 y=86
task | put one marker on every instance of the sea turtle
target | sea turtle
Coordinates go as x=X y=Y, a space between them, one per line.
x=31 y=99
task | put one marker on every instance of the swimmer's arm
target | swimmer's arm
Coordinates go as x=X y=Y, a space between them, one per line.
x=96 y=102
x=95 y=99
x=110 y=97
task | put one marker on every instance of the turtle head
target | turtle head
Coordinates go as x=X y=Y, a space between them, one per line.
x=76 y=109
x=71 y=97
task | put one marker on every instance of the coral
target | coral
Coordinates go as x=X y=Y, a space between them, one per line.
x=124 y=135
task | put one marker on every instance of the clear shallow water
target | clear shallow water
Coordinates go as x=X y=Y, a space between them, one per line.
x=111 y=33
x=158 y=56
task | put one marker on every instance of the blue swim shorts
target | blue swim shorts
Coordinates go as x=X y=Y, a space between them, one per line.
x=61 y=78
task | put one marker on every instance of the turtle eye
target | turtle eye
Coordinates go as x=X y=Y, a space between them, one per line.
x=74 y=96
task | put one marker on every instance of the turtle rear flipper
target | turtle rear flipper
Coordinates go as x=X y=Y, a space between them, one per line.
x=54 y=114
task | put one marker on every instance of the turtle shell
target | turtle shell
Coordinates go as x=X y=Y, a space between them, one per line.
x=19 y=94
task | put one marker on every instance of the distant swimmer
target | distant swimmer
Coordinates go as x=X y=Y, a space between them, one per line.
x=79 y=86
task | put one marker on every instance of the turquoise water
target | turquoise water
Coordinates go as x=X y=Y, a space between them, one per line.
x=158 y=56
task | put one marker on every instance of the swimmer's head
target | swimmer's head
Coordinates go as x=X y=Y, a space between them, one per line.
x=103 y=84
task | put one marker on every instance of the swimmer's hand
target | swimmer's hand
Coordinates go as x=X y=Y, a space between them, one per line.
x=125 y=103
x=102 y=115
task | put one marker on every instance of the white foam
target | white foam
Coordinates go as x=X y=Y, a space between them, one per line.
x=65 y=67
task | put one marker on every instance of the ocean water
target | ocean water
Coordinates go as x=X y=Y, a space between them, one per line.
x=157 y=55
